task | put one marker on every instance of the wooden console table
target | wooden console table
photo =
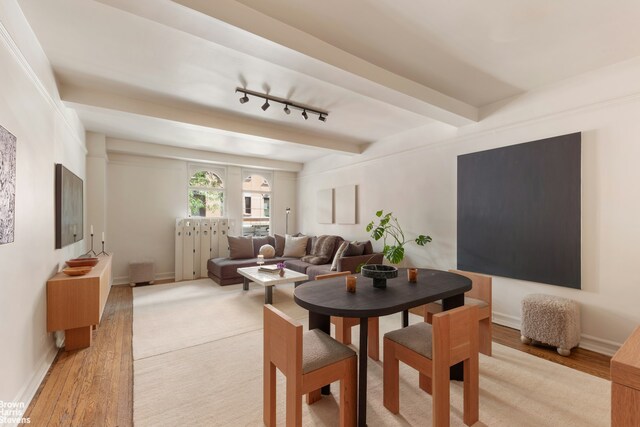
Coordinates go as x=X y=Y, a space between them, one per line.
x=625 y=383
x=75 y=303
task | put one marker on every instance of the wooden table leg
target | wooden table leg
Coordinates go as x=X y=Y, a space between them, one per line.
x=362 y=372
x=77 y=338
x=322 y=322
x=457 y=371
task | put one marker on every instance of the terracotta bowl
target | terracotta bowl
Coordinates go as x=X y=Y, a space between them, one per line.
x=82 y=262
x=76 y=271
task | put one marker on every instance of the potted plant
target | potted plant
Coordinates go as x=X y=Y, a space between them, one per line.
x=389 y=230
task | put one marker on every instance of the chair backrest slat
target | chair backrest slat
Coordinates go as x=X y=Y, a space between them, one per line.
x=331 y=275
x=282 y=340
x=457 y=330
x=481 y=285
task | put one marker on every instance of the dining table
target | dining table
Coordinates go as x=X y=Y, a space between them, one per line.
x=329 y=297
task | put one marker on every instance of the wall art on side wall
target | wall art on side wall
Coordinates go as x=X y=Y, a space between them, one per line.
x=346 y=204
x=69 y=207
x=325 y=206
x=7 y=185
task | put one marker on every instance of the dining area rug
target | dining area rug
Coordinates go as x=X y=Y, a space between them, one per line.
x=198 y=361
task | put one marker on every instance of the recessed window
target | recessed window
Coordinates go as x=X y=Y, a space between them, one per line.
x=256 y=192
x=206 y=194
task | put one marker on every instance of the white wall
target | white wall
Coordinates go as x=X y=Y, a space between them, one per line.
x=414 y=175
x=146 y=194
x=47 y=133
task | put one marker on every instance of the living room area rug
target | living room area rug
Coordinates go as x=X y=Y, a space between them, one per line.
x=198 y=361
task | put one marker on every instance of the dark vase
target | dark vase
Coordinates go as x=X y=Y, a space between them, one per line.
x=379 y=273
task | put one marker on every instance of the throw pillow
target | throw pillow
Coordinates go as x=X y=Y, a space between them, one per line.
x=240 y=247
x=339 y=254
x=267 y=251
x=280 y=239
x=295 y=247
x=259 y=242
x=355 y=249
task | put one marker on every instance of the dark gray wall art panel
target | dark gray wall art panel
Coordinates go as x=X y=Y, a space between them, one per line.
x=69 y=207
x=519 y=211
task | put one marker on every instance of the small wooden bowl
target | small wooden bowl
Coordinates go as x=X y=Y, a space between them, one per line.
x=82 y=262
x=76 y=271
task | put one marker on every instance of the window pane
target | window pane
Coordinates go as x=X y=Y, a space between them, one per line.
x=207 y=203
x=205 y=179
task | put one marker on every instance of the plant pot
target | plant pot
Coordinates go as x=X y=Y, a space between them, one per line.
x=281 y=272
x=379 y=273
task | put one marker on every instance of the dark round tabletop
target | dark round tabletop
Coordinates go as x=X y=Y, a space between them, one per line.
x=330 y=297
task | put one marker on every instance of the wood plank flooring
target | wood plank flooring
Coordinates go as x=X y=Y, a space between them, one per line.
x=94 y=386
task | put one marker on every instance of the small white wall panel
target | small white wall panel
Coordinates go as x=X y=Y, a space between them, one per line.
x=346 y=204
x=205 y=245
x=178 y=235
x=223 y=242
x=325 y=206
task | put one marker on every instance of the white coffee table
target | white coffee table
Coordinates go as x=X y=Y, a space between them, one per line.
x=252 y=274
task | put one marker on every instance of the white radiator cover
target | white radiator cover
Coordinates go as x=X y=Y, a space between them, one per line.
x=198 y=240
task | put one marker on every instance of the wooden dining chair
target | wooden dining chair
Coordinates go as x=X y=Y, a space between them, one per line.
x=432 y=350
x=309 y=361
x=343 y=325
x=479 y=295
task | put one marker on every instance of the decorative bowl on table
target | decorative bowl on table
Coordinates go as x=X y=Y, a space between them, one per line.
x=76 y=271
x=82 y=262
x=379 y=273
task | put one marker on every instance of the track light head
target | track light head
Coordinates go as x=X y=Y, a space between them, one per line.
x=287 y=110
x=244 y=99
x=265 y=105
x=305 y=115
x=322 y=118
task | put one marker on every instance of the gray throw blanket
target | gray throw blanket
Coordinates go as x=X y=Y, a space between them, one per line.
x=321 y=251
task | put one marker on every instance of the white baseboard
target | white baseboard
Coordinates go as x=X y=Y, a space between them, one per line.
x=124 y=280
x=29 y=391
x=588 y=342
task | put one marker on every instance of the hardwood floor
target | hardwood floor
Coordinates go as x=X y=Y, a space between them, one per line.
x=94 y=386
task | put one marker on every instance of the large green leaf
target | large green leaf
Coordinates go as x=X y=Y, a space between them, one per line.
x=423 y=240
x=395 y=254
x=379 y=214
x=378 y=233
x=370 y=226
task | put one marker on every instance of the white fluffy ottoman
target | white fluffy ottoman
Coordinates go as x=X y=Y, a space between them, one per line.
x=551 y=320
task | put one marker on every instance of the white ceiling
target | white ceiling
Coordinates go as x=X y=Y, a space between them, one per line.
x=165 y=72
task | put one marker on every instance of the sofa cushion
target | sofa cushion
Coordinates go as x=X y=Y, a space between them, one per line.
x=240 y=247
x=297 y=265
x=259 y=242
x=355 y=249
x=316 y=270
x=278 y=243
x=295 y=246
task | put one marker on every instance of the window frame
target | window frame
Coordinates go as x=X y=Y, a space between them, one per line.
x=220 y=172
x=266 y=175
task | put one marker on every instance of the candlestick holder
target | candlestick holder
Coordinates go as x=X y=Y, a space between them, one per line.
x=103 y=252
x=91 y=251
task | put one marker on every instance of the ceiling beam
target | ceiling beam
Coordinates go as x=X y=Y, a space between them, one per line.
x=321 y=60
x=137 y=148
x=192 y=115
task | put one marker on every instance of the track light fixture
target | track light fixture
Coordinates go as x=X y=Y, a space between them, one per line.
x=288 y=105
